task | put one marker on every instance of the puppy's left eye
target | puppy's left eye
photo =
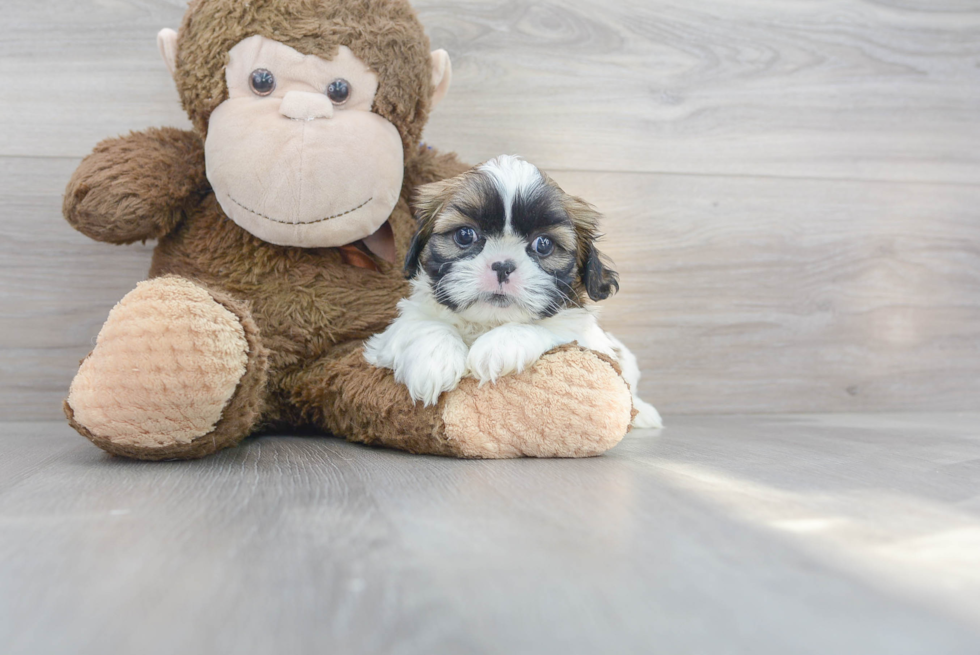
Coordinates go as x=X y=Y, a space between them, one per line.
x=543 y=246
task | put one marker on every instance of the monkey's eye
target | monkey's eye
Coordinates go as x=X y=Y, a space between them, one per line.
x=465 y=237
x=543 y=246
x=262 y=82
x=338 y=91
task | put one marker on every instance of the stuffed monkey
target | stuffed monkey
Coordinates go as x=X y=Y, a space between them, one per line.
x=281 y=220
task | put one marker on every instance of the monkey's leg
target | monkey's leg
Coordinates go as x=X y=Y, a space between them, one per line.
x=572 y=402
x=178 y=372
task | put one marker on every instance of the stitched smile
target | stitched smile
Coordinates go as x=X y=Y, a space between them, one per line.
x=319 y=220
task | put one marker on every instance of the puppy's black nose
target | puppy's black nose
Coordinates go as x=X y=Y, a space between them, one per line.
x=504 y=269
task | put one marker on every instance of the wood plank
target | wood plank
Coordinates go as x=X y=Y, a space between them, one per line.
x=56 y=287
x=761 y=295
x=738 y=294
x=842 y=534
x=885 y=90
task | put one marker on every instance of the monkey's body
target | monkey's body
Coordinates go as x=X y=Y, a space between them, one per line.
x=233 y=333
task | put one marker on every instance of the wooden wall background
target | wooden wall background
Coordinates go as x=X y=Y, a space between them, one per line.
x=792 y=187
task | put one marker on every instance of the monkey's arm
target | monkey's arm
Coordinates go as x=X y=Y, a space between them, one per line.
x=572 y=402
x=136 y=187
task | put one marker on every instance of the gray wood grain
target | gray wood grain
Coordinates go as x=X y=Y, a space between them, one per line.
x=790 y=190
x=761 y=295
x=56 y=287
x=807 y=534
x=738 y=294
x=864 y=90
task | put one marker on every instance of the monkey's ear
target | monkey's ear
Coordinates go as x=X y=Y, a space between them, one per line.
x=599 y=280
x=167 y=43
x=442 y=75
x=428 y=202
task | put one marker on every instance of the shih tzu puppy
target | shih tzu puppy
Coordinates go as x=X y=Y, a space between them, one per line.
x=503 y=265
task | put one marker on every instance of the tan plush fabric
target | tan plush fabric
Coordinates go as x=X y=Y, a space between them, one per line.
x=285 y=183
x=167 y=44
x=571 y=403
x=165 y=364
x=442 y=75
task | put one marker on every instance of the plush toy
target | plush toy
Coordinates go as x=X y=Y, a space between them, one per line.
x=281 y=221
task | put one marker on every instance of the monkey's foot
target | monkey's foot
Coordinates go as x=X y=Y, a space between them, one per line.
x=572 y=402
x=176 y=373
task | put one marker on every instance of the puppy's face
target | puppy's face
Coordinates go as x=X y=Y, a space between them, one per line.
x=503 y=243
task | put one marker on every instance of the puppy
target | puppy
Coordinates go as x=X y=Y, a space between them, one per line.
x=502 y=266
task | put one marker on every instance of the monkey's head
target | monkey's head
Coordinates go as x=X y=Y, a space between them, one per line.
x=307 y=109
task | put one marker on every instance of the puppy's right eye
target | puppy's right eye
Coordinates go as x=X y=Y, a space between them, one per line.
x=262 y=82
x=464 y=237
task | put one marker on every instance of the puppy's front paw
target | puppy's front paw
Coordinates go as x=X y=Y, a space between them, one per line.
x=430 y=368
x=502 y=351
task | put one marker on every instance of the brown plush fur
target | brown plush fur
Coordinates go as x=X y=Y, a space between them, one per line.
x=385 y=35
x=307 y=302
x=386 y=414
x=304 y=311
x=154 y=177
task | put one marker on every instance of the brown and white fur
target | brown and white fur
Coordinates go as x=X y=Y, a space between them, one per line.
x=503 y=266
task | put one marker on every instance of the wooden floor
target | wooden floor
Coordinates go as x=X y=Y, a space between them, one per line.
x=784 y=534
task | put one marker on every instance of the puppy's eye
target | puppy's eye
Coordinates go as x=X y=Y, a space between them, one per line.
x=464 y=237
x=543 y=246
x=262 y=82
x=338 y=91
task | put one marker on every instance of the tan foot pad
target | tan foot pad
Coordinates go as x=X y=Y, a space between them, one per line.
x=167 y=361
x=571 y=403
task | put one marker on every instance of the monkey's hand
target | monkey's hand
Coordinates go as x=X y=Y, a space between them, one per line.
x=136 y=187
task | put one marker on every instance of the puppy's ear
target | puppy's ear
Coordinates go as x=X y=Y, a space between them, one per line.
x=428 y=202
x=598 y=279
x=412 y=263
